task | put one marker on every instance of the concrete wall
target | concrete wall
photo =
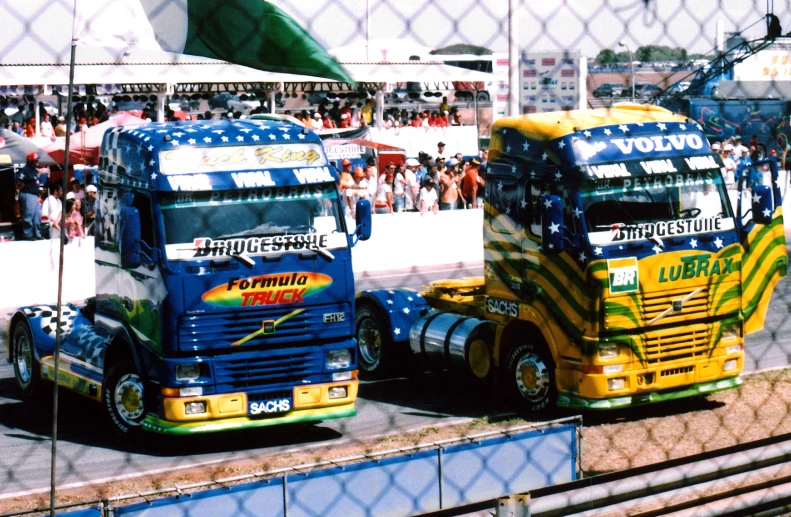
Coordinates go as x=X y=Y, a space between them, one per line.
x=463 y=139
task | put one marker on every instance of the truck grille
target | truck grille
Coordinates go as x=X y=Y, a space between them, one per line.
x=654 y=304
x=251 y=370
x=675 y=344
x=220 y=330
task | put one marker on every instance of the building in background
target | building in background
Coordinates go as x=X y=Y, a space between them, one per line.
x=552 y=81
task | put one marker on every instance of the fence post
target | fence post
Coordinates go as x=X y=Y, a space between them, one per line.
x=506 y=507
x=285 y=495
x=439 y=474
x=523 y=505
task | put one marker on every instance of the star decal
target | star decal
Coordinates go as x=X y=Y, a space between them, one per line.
x=218 y=131
x=577 y=212
x=207 y=139
x=554 y=228
x=499 y=186
x=657 y=249
x=683 y=127
x=151 y=162
x=239 y=138
x=301 y=136
x=640 y=124
x=718 y=242
x=693 y=243
x=623 y=128
x=661 y=126
x=191 y=141
x=224 y=138
x=153 y=175
x=544 y=156
x=767 y=213
x=513 y=169
x=532 y=174
x=558 y=175
x=406 y=310
x=389 y=302
x=561 y=145
x=245 y=130
x=178 y=134
x=607 y=131
x=255 y=138
x=150 y=148
x=586 y=133
x=583 y=258
x=523 y=203
x=525 y=146
x=271 y=137
x=598 y=251
x=409 y=298
x=397 y=331
x=507 y=148
x=756 y=198
x=286 y=136
x=548 y=203
x=175 y=143
x=508 y=210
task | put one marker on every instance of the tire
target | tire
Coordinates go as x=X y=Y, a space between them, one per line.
x=27 y=370
x=373 y=343
x=530 y=376
x=123 y=399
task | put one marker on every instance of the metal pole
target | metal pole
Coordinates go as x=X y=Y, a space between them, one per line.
x=58 y=331
x=513 y=62
x=367 y=28
x=631 y=63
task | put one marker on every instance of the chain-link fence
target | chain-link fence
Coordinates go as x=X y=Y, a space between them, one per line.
x=431 y=432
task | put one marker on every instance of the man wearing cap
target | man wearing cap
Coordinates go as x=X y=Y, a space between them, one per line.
x=730 y=165
x=738 y=148
x=60 y=128
x=88 y=208
x=29 y=206
x=316 y=123
x=450 y=190
x=428 y=197
x=441 y=151
x=413 y=187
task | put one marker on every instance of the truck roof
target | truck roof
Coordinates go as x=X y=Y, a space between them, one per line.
x=575 y=139
x=555 y=124
x=191 y=155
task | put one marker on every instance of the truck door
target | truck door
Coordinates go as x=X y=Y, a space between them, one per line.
x=764 y=259
x=503 y=233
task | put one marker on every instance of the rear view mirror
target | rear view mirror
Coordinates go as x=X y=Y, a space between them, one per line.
x=552 y=223
x=762 y=204
x=364 y=219
x=130 y=236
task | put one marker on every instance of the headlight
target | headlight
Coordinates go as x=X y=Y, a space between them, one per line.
x=187 y=371
x=608 y=350
x=730 y=331
x=339 y=358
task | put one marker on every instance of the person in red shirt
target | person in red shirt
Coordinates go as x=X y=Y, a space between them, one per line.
x=344 y=121
x=415 y=122
x=442 y=120
x=469 y=184
x=328 y=122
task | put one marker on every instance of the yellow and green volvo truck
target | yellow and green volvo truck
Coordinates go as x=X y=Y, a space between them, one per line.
x=619 y=268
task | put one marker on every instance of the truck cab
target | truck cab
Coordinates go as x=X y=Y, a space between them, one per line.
x=224 y=287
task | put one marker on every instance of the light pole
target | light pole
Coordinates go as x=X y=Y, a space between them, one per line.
x=631 y=63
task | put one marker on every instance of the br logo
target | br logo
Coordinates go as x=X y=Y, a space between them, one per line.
x=623 y=275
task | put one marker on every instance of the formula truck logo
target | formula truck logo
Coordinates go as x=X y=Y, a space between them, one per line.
x=274 y=289
x=206 y=247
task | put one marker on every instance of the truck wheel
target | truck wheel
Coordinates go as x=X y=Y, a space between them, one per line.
x=27 y=371
x=531 y=377
x=372 y=342
x=122 y=395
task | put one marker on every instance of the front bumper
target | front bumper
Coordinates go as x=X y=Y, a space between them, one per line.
x=705 y=388
x=230 y=411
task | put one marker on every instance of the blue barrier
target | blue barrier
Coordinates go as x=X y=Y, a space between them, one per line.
x=397 y=486
x=88 y=512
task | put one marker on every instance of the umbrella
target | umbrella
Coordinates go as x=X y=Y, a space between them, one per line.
x=84 y=146
x=14 y=150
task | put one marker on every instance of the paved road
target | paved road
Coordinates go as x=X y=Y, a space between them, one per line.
x=87 y=452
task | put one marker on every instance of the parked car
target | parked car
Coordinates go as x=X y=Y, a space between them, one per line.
x=609 y=90
x=644 y=90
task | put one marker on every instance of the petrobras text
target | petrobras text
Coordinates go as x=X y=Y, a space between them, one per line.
x=205 y=246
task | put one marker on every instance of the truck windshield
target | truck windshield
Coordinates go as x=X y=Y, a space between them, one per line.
x=252 y=221
x=655 y=207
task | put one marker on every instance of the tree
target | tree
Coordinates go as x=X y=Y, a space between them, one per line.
x=461 y=48
x=606 y=56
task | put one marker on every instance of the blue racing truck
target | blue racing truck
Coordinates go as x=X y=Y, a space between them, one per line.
x=224 y=286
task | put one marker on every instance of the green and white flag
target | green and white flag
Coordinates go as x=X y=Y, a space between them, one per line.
x=253 y=33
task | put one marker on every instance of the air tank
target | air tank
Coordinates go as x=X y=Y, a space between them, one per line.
x=449 y=340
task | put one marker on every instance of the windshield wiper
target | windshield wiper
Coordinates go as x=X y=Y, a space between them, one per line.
x=244 y=259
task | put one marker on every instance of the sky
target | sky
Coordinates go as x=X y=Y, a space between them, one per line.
x=36 y=30
x=588 y=25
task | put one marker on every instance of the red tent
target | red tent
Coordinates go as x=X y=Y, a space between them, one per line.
x=84 y=146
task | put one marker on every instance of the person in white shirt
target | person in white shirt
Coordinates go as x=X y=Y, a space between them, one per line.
x=399 y=184
x=51 y=209
x=316 y=123
x=47 y=130
x=428 y=198
x=730 y=166
x=738 y=148
x=413 y=187
x=383 y=202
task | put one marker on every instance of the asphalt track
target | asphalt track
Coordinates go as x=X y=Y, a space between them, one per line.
x=88 y=452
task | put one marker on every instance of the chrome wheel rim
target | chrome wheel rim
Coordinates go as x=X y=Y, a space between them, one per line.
x=370 y=342
x=128 y=398
x=24 y=360
x=532 y=378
